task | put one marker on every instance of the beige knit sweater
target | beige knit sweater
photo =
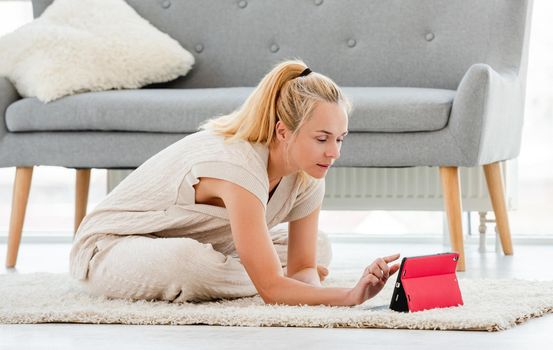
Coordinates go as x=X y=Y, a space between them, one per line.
x=158 y=197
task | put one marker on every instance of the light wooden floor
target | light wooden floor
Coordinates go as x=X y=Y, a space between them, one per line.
x=529 y=262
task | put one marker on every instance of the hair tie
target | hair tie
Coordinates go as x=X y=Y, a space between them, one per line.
x=305 y=72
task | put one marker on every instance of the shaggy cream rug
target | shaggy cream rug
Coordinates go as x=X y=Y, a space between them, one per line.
x=490 y=305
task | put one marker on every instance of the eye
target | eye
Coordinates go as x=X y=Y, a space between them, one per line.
x=323 y=140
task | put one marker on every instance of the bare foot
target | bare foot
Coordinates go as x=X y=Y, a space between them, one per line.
x=323 y=272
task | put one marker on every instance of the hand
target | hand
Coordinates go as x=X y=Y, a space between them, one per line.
x=373 y=280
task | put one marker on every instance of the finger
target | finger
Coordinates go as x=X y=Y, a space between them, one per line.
x=384 y=267
x=394 y=268
x=376 y=270
x=372 y=280
x=391 y=258
x=372 y=269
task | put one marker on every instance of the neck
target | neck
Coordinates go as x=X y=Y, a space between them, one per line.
x=276 y=164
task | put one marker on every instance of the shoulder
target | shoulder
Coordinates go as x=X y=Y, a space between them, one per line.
x=308 y=196
x=308 y=184
x=231 y=167
x=216 y=147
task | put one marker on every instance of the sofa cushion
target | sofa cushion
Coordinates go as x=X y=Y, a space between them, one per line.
x=89 y=45
x=393 y=109
x=375 y=109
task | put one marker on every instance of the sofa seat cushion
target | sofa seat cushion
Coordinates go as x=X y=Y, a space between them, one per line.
x=375 y=109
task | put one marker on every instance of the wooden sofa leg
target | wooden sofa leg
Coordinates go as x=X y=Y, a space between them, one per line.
x=452 y=199
x=21 y=188
x=497 y=195
x=82 y=185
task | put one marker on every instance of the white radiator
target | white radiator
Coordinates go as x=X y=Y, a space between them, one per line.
x=416 y=188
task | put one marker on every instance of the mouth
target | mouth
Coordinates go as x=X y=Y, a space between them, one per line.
x=325 y=166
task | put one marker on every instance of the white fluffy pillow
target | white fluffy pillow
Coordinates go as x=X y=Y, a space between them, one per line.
x=89 y=45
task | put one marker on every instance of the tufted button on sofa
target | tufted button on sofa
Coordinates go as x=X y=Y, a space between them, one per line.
x=432 y=84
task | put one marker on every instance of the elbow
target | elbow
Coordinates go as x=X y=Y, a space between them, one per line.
x=267 y=300
x=271 y=301
x=269 y=293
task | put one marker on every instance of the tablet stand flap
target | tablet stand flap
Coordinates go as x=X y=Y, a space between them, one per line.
x=430 y=292
x=430 y=282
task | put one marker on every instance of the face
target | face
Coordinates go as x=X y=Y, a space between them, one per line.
x=318 y=143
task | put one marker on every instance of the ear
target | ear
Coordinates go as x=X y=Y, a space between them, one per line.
x=282 y=133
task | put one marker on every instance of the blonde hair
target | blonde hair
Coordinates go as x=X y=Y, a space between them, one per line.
x=280 y=95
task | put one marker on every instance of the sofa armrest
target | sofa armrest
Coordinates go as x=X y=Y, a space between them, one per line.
x=8 y=95
x=487 y=115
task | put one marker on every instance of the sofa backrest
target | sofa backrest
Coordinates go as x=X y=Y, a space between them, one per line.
x=422 y=43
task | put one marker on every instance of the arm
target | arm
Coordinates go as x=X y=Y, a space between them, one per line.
x=257 y=253
x=8 y=95
x=486 y=116
x=302 y=249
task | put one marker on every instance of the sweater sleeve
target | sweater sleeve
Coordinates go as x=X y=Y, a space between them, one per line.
x=307 y=200
x=232 y=172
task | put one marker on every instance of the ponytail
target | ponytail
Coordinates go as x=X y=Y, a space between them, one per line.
x=281 y=95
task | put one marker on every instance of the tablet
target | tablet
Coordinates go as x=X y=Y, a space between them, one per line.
x=427 y=282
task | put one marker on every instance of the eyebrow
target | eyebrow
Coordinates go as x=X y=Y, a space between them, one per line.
x=329 y=133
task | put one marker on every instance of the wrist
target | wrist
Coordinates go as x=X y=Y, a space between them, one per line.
x=352 y=298
x=349 y=297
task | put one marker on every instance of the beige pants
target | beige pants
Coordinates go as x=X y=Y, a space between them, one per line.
x=177 y=269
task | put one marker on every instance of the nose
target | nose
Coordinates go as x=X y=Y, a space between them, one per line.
x=333 y=150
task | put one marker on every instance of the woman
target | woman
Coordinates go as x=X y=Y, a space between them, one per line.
x=195 y=221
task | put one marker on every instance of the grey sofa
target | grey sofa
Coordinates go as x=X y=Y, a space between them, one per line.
x=433 y=83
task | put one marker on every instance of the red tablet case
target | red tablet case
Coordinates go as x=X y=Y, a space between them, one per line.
x=427 y=282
